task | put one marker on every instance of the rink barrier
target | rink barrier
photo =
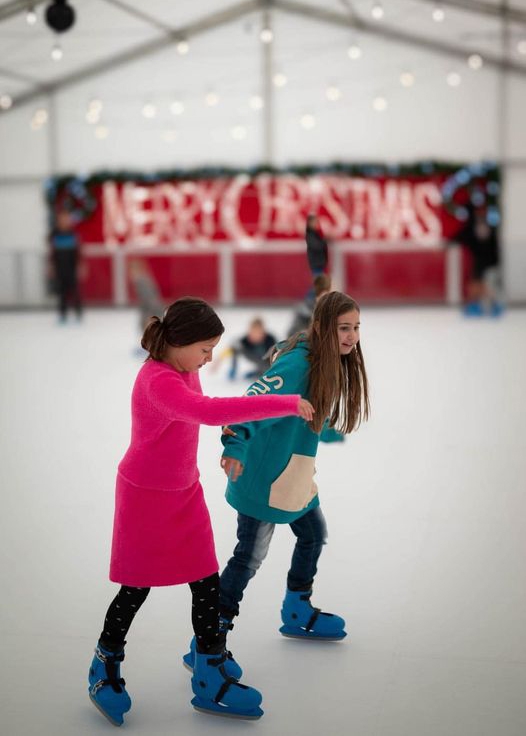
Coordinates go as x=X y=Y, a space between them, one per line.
x=373 y=272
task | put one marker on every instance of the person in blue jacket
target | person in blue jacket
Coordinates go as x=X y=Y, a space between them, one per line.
x=65 y=256
x=270 y=464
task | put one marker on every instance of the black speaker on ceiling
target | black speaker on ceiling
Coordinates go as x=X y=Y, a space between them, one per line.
x=60 y=16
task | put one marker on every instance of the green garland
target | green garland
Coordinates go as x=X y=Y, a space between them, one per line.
x=76 y=193
x=480 y=187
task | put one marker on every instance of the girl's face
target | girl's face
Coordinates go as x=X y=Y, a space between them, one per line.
x=191 y=358
x=348 y=331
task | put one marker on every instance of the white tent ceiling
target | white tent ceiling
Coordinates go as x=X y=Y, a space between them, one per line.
x=125 y=53
x=108 y=29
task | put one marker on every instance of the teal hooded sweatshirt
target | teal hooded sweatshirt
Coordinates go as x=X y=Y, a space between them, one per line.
x=277 y=454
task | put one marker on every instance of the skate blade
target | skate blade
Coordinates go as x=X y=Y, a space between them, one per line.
x=290 y=634
x=217 y=710
x=101 y=710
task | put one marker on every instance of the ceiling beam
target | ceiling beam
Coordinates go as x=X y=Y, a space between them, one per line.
x=9 y=10
x=18 y=77
x=395 y=35
x=482 y=7
x=348 y=7
x=188 y=31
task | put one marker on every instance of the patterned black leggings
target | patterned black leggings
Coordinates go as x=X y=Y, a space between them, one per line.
x=205 y=615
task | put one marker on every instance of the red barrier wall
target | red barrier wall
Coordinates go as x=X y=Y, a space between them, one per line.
x=272 y=276
x=96 y=279
x=370 y=276
x=183 y=275
x=414 y=276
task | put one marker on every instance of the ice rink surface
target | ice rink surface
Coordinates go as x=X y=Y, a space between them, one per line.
x=426 y=508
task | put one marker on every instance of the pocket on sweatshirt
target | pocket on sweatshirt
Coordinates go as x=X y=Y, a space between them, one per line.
x=295 y=488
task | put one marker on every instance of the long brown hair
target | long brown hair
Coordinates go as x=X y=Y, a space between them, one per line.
x=338 y=387
x=186 y=321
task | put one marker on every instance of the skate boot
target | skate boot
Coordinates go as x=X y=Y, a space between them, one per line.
x=106 y=686
x=302 y=621
x=231 y=666
x=496 y=309
x=472 y=309
x=218 y=693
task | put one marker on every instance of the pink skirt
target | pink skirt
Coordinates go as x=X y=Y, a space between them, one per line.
x=160 y=537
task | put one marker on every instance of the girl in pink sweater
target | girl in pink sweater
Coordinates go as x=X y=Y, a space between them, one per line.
x=162 y=533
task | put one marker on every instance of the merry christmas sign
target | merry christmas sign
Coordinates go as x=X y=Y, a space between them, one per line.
x=247 y=210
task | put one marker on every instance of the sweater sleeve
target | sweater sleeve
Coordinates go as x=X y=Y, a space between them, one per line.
x=286 y=374
x=169 y=395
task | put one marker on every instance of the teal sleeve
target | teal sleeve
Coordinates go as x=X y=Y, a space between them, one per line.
x=288 y=375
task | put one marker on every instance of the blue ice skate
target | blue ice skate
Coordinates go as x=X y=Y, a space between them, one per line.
x=219 y=694
x=231 y=666
x=302 y=621
x=473 y=309
x=496 y=309
x=106 y=686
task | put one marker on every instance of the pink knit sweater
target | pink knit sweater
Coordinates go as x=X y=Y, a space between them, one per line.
x=167 y=409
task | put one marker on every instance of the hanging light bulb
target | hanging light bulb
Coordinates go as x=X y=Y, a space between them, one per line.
x=266 y=35
x=183 y=47
x=94 y=111
x=307 y=121
x=93 y=117
x=211 y=98
x=521 y=46
x=280 y=79
x=453 y=79
x=6 y=102
x=380 y=104
x=31 y=16
x=377 y=11
x=238 y=132
x=149 y=110
x=256 y=102
x=169 y=136
x=41 y=116
x=177 y=107
x=354 y=51
x=57 y=52
x=475 y=62
x=407 y=79
x=333 y=93
x=438 y=13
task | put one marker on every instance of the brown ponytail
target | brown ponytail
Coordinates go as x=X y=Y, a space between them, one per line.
x=186 y=321
x=153 y=339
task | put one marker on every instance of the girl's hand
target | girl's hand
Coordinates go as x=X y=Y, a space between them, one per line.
x=305 y=410
x=233 y=468
x=229 y=432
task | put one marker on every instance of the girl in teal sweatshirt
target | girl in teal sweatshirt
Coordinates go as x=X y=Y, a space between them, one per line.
x=270 y=464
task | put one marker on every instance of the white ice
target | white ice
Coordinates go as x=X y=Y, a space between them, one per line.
x=426 y=556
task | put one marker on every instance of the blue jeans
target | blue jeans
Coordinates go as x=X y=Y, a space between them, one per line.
x=254 y=541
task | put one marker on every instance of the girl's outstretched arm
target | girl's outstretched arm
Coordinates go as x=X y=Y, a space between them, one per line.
x=170 y=395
